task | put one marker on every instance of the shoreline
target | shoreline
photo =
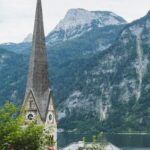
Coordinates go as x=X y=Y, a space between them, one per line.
x=120 y=133
x=132 y=133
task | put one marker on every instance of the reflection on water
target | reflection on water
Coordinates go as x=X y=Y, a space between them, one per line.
x=123 y=141
x=135 y=148
x=128 y=142
x=65 y=139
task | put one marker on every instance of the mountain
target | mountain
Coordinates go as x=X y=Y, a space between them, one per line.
x=83 y=46
x=20 y=48
x=12 y=68
x=100 y=78
x=78 y=21
x=58 y=55
x=28 y=39
x=112 y=89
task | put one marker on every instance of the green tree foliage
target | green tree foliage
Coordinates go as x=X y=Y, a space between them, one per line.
x=13 y=135
x=98 y=143
x=47 y=140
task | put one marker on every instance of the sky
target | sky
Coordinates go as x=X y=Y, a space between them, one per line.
x=17 y=16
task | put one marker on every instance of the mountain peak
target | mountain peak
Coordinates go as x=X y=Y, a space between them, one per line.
x=148 y=12
x=76 y=10
x=28 y=38
x=81 y=17
x=78 y=21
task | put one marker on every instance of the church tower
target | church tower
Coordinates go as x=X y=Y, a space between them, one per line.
x=38 y=104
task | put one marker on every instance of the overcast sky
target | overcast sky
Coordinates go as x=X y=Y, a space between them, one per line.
x=17 y=16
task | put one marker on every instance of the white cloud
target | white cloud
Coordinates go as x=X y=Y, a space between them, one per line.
x=17 y=16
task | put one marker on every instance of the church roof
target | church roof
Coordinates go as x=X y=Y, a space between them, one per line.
x=37 y=81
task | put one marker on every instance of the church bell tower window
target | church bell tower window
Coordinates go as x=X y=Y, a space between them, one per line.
x=31 y=104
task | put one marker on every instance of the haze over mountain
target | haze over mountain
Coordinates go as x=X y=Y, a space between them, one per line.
x=98 y=68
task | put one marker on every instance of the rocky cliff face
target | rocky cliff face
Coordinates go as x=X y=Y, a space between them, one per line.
x=116 y=83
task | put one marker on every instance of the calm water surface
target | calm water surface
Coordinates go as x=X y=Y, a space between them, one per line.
x=130 y=142
x=123 y=141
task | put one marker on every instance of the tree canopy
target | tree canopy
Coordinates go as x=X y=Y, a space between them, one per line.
x=12 y=133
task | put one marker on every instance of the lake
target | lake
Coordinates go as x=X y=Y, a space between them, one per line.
x=123 y=141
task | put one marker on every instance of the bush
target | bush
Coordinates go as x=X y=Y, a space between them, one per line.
x=12 y=133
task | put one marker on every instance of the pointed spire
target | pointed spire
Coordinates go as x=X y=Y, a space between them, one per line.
x=38 y=69
x=38 y=35
x=37 y=81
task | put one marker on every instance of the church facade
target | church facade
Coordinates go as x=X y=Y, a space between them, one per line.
x=38 y=104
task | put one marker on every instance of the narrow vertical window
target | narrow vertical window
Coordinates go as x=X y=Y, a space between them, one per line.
x=31 y=105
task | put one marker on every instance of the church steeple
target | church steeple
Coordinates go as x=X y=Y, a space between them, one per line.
x=37 y=87
x=38 y=102
x=37 y=81
x=38 y=68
